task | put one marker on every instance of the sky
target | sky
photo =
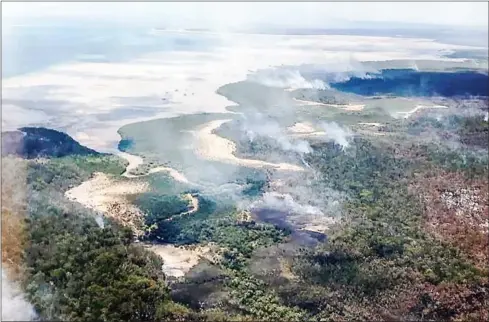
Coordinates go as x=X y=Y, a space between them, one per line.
x=222 y=15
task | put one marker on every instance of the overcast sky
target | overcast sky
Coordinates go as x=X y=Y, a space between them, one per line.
x=229 y=14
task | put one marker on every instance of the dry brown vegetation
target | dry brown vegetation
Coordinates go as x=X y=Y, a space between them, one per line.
x=13 y=213
x=457 y=212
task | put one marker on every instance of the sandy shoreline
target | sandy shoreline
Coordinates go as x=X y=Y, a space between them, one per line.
x=107 y=195
x=213 y=147
x=135 y=161
x=346 y=107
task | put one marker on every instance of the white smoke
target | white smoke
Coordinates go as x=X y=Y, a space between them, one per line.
x=305 y=163
x=14 y=305
x=257 y=125
x=336 y=133
x=486 y=117
x=340 y=70
x=285 y=203
x=99 y=219
x=285 y=78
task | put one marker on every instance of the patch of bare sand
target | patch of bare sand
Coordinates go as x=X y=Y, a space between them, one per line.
x=286 y=270
x=213 y=147
x=301 y=127
x=109 y=196
x=304 y=130
x=136 y=161
x=370 y=124
x=177 y=261
x=346 y=107
x=194 y=207
x=319 y=227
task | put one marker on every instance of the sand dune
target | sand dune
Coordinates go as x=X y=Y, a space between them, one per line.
x=213 y=147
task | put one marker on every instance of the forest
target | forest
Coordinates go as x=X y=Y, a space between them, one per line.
x=410 y=244
x=34 y=142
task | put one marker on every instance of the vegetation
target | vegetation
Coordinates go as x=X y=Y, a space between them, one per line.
x=70 y=267
x=34 y=142
x=410 y=243
x=60 y=174
x=382 y=260
x=78 y=271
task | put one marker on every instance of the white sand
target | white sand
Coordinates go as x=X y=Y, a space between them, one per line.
x=194 y=207
x=370 y=124
x=101 y=190
x=350 y=107
x=346 y=107
x=420 y=107
x=177 y=261
x=213 y=147
x=304 y=127
x=319 y=227
x=305 y=131
x=108 y=196
x=312 y=135
x=135 y=161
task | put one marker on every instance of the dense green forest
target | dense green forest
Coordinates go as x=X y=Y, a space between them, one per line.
x=399 y=251
x=34 y=142
x=74 y=269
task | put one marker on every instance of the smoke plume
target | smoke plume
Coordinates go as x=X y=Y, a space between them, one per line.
x=336 y=133
x=285 y=78
x=258 y=125
x=14 y=305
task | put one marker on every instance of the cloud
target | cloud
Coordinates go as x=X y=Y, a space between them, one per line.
x=238 y=14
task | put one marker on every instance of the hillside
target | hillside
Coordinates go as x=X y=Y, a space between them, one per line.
x=35 y=142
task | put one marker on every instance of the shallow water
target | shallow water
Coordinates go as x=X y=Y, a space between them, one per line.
x=409 y=83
